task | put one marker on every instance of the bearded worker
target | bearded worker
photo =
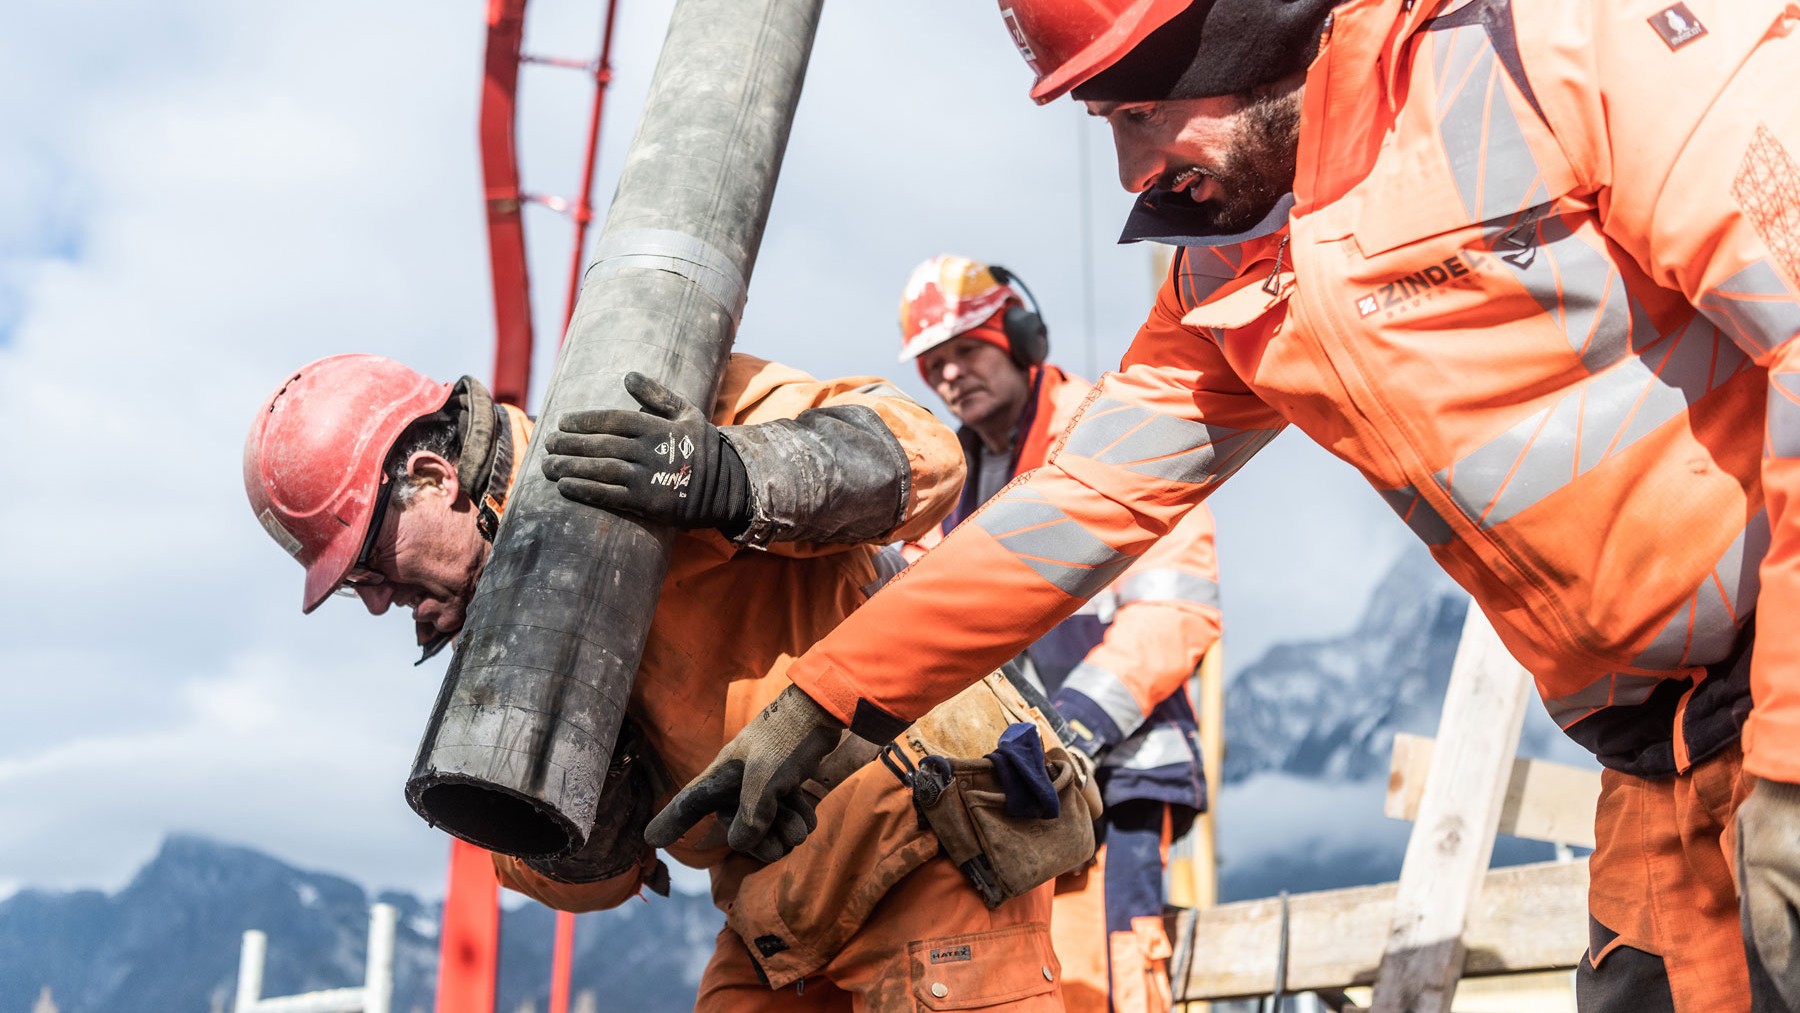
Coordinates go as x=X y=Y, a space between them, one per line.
x=1532 y=267
x=389 y=487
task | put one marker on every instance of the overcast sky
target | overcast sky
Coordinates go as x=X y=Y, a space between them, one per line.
x=197 y=196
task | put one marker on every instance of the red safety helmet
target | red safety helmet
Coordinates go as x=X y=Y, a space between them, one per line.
x=312 y=462
x=1066 y=42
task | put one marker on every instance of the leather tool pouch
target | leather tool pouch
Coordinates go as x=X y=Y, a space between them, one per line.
x=634 y=781
x=961 y=800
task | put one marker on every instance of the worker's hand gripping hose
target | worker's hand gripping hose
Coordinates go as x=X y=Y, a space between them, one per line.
x=755 y=783
x=1768 y=868
x=666 y=463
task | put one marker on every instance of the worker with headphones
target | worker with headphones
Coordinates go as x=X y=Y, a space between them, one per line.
x=1118 y=669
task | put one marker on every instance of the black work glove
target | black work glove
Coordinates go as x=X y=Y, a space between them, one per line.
x=1768 y=868
x=756 y=782
x=666 y=463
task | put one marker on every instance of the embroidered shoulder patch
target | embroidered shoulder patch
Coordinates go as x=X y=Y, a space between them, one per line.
x=1677 y=26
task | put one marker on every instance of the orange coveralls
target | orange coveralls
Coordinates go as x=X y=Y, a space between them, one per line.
x=1541 y=291
x=1120 y=666
x=853 y=917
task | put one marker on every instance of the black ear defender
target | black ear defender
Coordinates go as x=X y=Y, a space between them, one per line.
x=1026 y=334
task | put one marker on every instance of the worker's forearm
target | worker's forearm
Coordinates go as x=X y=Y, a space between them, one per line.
x=834 y=474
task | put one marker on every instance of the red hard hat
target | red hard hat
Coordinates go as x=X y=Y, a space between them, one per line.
x=1066 y=42
x=312 y=462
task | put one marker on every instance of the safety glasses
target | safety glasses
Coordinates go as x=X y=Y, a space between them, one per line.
x=363 y=573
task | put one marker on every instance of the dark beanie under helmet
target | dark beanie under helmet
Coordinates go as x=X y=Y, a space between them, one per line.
x=1214 y=47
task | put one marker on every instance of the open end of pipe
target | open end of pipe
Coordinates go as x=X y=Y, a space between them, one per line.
x=495 y=820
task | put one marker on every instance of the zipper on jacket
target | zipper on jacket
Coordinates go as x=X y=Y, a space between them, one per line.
x=1272 y=284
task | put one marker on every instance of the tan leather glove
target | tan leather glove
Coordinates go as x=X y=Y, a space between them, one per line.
x=755 y=783
x=1768 y=868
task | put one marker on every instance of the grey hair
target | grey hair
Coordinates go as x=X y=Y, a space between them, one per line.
x=435 y=433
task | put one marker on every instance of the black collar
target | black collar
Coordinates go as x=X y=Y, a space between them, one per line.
x=1164 y=216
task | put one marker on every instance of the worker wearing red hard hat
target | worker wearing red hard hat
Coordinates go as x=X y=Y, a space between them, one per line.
x=1533 y=267
x=389 y=486
x=1118 y=669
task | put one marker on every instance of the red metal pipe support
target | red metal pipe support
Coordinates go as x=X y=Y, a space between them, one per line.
x=584 y=208
x=506 y=223
x=469 y=936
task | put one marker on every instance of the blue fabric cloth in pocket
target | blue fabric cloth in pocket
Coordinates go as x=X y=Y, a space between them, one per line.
x=1023 y=775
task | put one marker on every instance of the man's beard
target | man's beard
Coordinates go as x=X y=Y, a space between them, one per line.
x=1258 y=170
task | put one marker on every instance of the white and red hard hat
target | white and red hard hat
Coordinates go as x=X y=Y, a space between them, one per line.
x=947 y=296
x=313 y=459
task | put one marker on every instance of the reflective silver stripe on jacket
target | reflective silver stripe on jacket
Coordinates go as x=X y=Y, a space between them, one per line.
x=1050 y=542
x=1147 y=442
x=1168 y=585
x=1109 y=693
x=1101 y=606
x=1162 y=746
x=1614 y=689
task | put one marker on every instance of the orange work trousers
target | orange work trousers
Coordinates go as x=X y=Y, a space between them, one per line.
x=930 y=944
x=1134 y=964
x=1662 y=898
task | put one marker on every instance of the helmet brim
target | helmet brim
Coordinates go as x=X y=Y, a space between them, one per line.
x=1107 y=48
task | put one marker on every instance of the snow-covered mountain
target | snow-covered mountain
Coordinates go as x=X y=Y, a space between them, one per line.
x=169 y=941
x=1310 y=725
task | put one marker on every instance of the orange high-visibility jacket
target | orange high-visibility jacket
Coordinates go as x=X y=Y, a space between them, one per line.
x=730 y=618
x=1541 y=291
x=1119 y=666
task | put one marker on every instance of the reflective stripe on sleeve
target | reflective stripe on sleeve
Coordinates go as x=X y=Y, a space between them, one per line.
x=1168 y=585
x=1162 y=746
x=1050 y=542
x=1163 y=446
x=1108 y=692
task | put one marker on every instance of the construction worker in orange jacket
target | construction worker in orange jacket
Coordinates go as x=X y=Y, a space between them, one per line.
x=1532 y=267
x=389 y=486
x=1118 y=669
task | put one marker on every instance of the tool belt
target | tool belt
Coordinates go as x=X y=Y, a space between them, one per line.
x=1007 y=837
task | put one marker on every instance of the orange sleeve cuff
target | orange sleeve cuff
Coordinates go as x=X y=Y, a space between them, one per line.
x=575 y=897
x=821 y=680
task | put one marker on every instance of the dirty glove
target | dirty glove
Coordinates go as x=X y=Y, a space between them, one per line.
x=1768 y=868
x=666 y=463
x=755 y=782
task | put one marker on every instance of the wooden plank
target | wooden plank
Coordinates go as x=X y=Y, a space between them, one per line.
x=1544 y=801
x=1459 y=814
x=1194 y=862
x=1527 y=918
